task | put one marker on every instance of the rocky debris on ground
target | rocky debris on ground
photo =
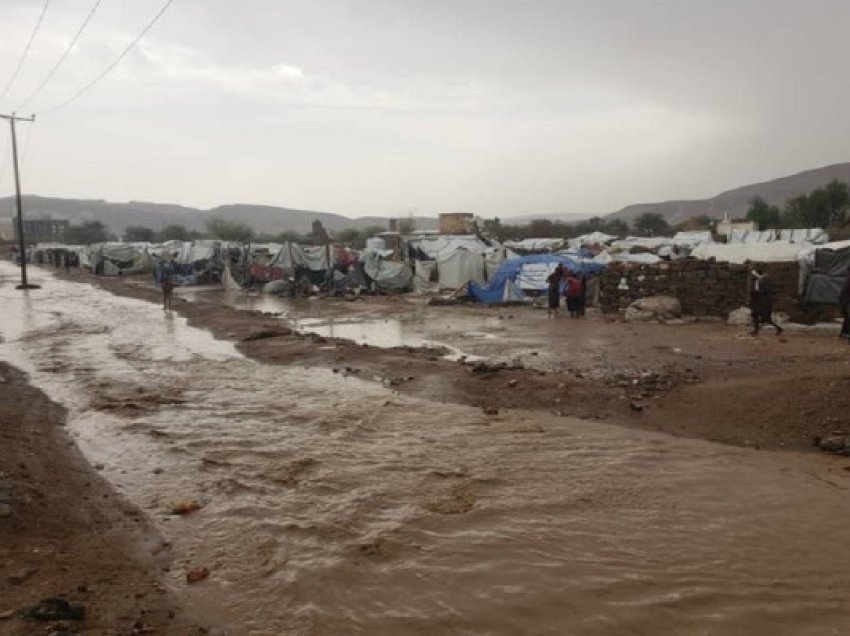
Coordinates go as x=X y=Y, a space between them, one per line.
x=393 y=381
x=832 y=444
x=184 y=507
x=653 y=308
x=196 y=575
x=56 y=608
x=266 y=332
x=741 y=317
x=493 y=367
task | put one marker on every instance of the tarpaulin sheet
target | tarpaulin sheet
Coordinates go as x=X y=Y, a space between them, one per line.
x=533 y=266
x=389 y=275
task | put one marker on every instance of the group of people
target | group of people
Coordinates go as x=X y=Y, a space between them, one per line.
x=573 y=287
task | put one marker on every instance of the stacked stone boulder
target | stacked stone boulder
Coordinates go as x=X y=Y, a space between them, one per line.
x=704 y=288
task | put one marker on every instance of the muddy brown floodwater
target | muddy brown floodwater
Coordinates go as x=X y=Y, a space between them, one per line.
x=332 y=505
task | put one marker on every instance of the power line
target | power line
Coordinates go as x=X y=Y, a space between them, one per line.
x=26 y=51
x=4 y=161
x=26 y=144
x=65 y=54
x=114 y=63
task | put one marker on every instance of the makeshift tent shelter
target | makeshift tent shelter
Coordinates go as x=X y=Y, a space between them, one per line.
x=117 y=259
x=386 y=275
x=526 y=273
x=459 y=258
x=829 y=271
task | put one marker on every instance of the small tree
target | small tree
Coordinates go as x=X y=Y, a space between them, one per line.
x=616 y=227
x=651 y=224
x=173 y=233
x=766 y=217
x=87 y=233
x=138 y=234
x=229 y=231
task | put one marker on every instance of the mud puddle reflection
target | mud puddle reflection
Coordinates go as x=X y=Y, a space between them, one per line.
x=333 y=506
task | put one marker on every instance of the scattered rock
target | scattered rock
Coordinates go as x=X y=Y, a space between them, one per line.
x=491 y=410
x=512 y=382
x=6 y=614
x=56 y=609
x=653 y=308
x=184 y=507
x=197 y=574
x=636 y=406
x=5 y=510
x=262 y=334
x=833 y=444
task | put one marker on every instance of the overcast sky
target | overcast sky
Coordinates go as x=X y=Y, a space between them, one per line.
x=387 y=106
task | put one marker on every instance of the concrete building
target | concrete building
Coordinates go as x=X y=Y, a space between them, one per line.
x=457 y=223
x=726 y=225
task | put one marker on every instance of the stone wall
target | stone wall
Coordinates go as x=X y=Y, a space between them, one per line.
x=704 y=288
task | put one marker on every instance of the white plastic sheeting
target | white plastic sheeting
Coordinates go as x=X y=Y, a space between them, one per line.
x=644 y=258
x=536 y=244
x=376 y=243
x=692 y=239
x=532 y=276
x=317 y=258
x=815 y=236
x=460 y=267
x=646 y=242
x=594 y=238
x=440 y=246
x=773 y=252
x=389 y=275
x=751 y=236
x=424 y=274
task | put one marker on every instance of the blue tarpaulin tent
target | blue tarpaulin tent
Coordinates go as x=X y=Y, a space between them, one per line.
x=502 y=286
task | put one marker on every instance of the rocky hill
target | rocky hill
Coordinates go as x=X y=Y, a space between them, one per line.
x=736 y=202
x=117 y=216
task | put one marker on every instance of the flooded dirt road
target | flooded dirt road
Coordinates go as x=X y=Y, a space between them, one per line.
x=332 y=505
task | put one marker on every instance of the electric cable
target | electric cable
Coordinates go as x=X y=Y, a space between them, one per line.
x=113 y=64
x=25 y=53
x=64 y=55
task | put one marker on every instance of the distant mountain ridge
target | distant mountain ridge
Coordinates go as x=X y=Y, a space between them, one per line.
x=275 y=220
x=262 y=218
x=737 y=201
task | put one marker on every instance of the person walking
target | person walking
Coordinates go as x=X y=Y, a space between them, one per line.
x=761 y=302
x=167 y=284
x=844 y=303
x=554 y=290
x=573 y=294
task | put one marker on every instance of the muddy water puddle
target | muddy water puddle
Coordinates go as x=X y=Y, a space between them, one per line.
x=333 y=506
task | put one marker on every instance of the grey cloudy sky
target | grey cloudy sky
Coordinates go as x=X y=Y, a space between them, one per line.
x=385 y=106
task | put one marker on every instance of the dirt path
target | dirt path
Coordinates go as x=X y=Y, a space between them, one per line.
x=701 y=381
x=64 y=532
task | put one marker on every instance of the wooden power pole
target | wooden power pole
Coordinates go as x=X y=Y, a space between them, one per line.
x=22 y=250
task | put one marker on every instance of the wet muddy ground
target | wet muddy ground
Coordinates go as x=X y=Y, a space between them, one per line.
x=345 y=489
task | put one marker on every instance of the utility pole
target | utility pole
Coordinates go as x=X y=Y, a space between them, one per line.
x=22 y=250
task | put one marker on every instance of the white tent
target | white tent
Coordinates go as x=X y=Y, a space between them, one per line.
x=815 y=236
x=755 y=252
x=692 y=239
x=751 y=236
x=461 y=266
